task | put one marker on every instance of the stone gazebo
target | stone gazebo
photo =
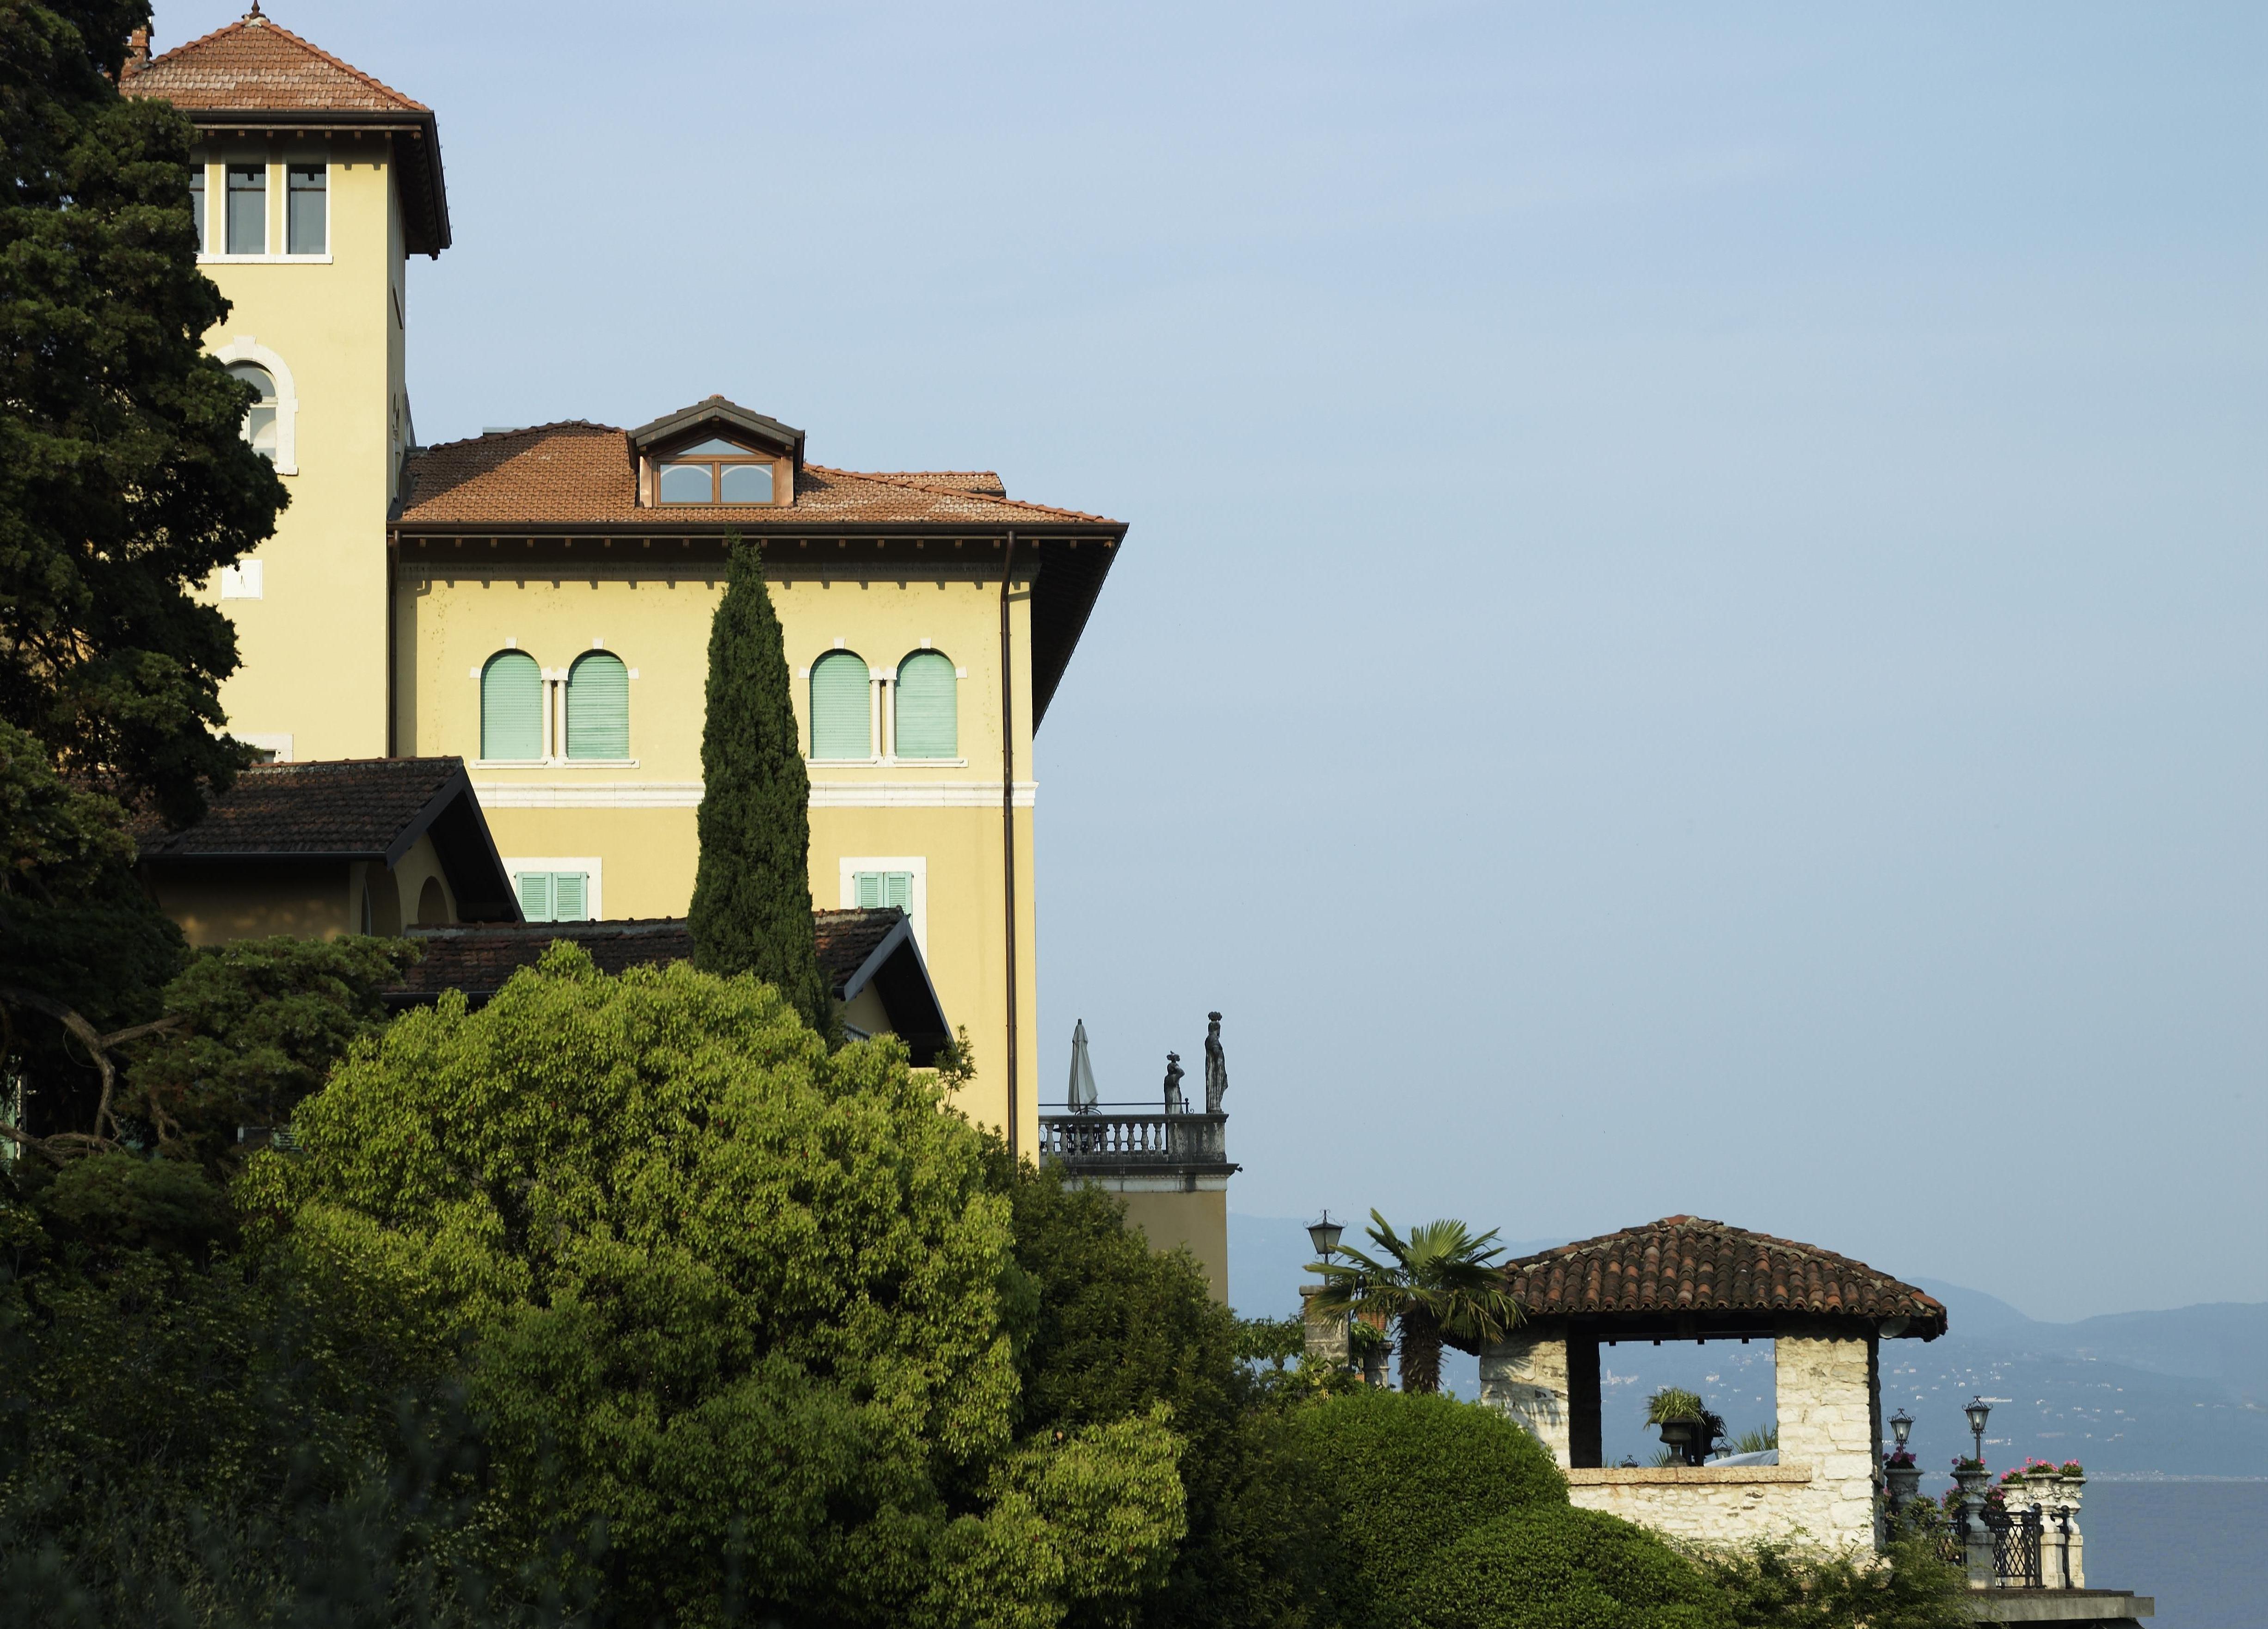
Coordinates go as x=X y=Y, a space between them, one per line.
x=1683 y=1278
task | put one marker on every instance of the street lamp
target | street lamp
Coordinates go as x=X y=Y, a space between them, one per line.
x=1978 y=1412
x=1324 y=1235
x=1901 y=1426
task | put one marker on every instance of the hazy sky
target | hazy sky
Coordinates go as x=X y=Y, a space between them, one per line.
x=1695 y=636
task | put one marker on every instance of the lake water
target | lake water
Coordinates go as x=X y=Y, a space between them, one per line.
x=2194 y=1545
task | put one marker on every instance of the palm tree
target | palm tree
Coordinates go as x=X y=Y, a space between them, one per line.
x=1441 y=1280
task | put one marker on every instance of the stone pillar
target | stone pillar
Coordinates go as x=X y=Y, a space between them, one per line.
x=1327 y=1331
x=1526 y=1375
x=1827 y=1409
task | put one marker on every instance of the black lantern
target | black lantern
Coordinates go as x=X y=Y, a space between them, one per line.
x=1978 y=1412
x=1900 y=1427
x=1324 y=1235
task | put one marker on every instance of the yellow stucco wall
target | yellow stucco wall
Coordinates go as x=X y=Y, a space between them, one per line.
x=330 y=328
x=457 y=605
x=216 y=901
x=1197 y=1221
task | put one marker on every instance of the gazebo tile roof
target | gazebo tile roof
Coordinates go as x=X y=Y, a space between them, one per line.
x=1689 y=1264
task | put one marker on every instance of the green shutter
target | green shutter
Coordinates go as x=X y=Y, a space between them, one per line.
x=568 y=889
x=534 y=895
x=839 y=713
x=512 y=707
x=928 y=713
x=598 y=708
x=876 y=890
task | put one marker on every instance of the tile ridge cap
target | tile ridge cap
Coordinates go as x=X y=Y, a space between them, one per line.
x=409 y=103
x=899 y=479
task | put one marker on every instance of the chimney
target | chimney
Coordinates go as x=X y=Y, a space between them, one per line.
x=137 y=50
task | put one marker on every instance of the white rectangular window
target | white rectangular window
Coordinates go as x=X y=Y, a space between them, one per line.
x=244 y=580
x=879 y=888
x=306 y=213
x=556 y=888
x=872 y=881
x=248 y=209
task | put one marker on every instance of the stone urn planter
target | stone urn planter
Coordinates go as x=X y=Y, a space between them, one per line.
x=1905 y=1484
x=1971 y=1480
x=1682 y=1437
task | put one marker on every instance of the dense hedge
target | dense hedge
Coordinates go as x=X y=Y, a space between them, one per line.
x=1410 y=1475
x=1559 y=1567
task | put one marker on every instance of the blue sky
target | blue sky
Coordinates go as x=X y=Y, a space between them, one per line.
x=1695 y=636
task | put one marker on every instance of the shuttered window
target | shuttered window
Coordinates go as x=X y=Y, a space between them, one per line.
x=879 y=888
x=554 y=895
x=840 y=720
x=512 y=707
x=928 y=713
x=598 y=708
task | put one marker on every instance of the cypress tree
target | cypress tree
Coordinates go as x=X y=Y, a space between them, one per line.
x=752 y=895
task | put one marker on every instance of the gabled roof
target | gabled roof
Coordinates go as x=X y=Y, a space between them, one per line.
x=350 y=810
x=856 y=948
x=255 y=75
x=730 y=418
x=1684 y=1266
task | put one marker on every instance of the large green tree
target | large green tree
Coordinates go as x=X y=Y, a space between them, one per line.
x=124 y=479
x=740 y=1313
x=752 y=894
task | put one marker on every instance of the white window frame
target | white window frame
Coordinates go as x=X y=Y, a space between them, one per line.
x=247 y=579
x=244 y=348
x=917 y=904
x=279 y=204
x=267 y=742
x=589 y=863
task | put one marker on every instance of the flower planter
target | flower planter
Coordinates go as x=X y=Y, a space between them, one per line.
x=1682 y=1437
x=1903 y=1481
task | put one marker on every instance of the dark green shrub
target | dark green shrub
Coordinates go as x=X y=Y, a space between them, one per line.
x=1774 y=1587
x=1553 y=1566
x=1410 y=1475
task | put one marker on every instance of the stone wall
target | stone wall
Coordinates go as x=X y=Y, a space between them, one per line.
x=1827 y=1422
x=1526 y=1375
x=1710 y=1504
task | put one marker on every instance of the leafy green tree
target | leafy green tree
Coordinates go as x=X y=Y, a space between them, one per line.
x=258 y=1024
x=752 y=893
x=124 y=480
x=1553 y=1566
x=738 y=1308
x=1774 y=1585
x=1439 y=1282
x=84 y=950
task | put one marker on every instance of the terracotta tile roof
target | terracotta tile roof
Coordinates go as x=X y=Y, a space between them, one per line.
x=352 y=807
x=253 y=65
x=479 y=959
x=1686 y=1264
x=575 y=473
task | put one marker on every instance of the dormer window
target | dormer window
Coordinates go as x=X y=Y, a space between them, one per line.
x=715 y=471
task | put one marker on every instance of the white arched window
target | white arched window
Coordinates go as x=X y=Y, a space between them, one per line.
x=273 y=425
x=928 y=711
x=842 y=725
x=599 y=707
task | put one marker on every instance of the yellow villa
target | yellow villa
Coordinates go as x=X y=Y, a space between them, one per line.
x=536 y=602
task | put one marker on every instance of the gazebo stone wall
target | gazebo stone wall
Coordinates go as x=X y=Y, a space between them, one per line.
x=1684 y=1279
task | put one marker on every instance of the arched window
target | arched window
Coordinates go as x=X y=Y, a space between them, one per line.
x=512 y=707
x=840 y=725
x=599 y=707
x=929 y=716
x=260 y=418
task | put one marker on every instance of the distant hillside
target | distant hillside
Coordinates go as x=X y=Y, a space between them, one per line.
x=2179 y=1393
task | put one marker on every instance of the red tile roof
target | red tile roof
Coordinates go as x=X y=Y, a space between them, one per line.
x=349 y=808
x=253 y=65
x=1684 y=1264
x=575 y=473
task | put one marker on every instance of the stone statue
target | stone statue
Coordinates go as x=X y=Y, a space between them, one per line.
x=1175 y=1104
x=1216 y=1065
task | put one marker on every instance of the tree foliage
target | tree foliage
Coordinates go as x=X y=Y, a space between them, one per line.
x=1554 y=1567
x=751 y=909
x=734 y=1303
x=1777 y=1586
x=1437 y=1282
x=124 y=480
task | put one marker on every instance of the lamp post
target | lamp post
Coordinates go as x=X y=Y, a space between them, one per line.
x=1900 y=1427
x=1901 y=1477
x=1324 y=1235
x=1978 y=1412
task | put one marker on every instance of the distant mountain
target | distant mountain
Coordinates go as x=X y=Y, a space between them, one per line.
x=2177 y=1393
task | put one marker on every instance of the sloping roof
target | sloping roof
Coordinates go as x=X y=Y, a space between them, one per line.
x=855 y=948
x=254 y=63
x=576 y=473
x=255 y=74
x=716 y=410
x=1686 y=1265
x=350 y=810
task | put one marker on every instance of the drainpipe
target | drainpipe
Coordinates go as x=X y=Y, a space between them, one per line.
x=1008 y=821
